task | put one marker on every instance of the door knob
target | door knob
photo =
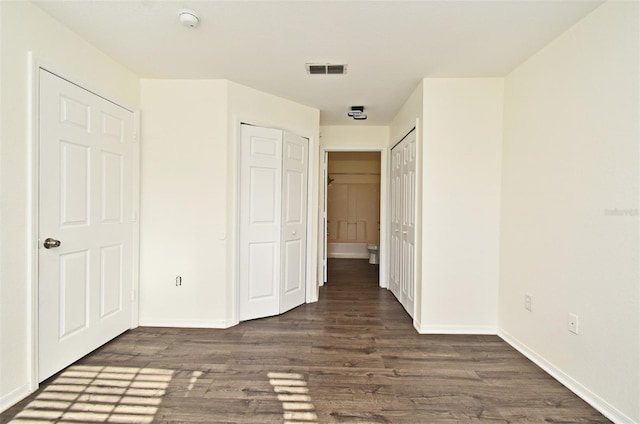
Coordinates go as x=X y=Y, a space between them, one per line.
x=51 y=243
x=293 y=232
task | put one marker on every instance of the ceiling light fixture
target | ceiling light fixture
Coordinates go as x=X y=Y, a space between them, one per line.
x=188 y=18
x=357 y=113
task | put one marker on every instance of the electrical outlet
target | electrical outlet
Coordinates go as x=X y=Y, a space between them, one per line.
x=527 y=302
x=572 y=323
x=178 y=280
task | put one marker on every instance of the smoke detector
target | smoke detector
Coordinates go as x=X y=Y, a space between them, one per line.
x=188 y=18
x=357 y=113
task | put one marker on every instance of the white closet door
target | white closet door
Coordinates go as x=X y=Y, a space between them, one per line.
x=403 y=207
x=260 y=217
x=85 y=222
x=408 y=222
x=396 y=221
x=273 y=221
x=325 y=229
x=294 y=221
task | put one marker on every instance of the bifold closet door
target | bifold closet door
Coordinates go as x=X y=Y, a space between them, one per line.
x=273 y=227
x=294 y=221
x=396 y=220
x=408 y=206
x=403 y=206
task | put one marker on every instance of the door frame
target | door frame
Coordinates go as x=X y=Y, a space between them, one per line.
x=35 y=64
x=234 y=246
x=383 y=251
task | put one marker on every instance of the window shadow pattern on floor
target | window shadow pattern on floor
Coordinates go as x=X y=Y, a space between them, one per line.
x=99 y=394
x=293 y=394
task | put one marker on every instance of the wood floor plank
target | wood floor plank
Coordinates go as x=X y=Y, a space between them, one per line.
x=352 y=357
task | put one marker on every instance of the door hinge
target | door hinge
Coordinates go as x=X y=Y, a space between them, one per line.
x=133 y=295
x=135 y=137
x=134 y=216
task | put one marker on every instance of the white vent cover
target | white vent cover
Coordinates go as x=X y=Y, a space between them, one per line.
x=325 y=69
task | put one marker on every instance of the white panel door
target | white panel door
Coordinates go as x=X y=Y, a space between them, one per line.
x=396 y=220
x=325 y=229
x=260 y=218
x=85 y=222
x=403 y=207
x=294 y=221
x=408 y=222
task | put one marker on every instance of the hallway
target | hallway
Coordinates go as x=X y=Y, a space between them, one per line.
x=354 y=356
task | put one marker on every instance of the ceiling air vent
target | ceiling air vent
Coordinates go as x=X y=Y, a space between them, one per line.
x=325 y=69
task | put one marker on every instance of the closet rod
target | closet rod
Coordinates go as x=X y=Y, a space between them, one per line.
x=353 y=173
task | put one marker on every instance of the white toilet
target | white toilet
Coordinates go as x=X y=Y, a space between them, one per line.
x=373 y=254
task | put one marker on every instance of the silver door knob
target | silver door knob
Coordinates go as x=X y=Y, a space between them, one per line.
x=51 y=243
x=293 y=232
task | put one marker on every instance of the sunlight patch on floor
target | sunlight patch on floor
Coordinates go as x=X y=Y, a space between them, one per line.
x=195 y=375
x=96 y=394
x=293 y=394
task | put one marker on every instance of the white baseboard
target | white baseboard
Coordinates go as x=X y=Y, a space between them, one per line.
x=585 y=394
x=185 y=323
x=14 y=397
x=454 y=329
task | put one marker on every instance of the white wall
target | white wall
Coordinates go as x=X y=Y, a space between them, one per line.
x=570 y=160
x=461 y=155
x=184 y=183
x=406 y=118
x=24 y=28
x=374 y=136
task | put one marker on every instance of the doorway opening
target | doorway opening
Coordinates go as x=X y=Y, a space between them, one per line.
x=355 y=199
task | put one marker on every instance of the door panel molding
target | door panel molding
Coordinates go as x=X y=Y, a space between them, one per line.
x=403 y=222
x=273 y=210
x=36 y=64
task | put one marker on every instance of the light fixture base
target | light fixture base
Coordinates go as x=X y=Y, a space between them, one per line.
x=357 y=113
x=188 y=18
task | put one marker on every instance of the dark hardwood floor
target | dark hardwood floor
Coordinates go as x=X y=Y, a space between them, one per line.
x=354 y=356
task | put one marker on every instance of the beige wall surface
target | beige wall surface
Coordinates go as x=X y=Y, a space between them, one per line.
x=25 y=28
x=183 y=213
x=461 y=155
x=353 y=197
x=409 y=114
x=354 y=135
x=570 y=231
x=353 y=213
